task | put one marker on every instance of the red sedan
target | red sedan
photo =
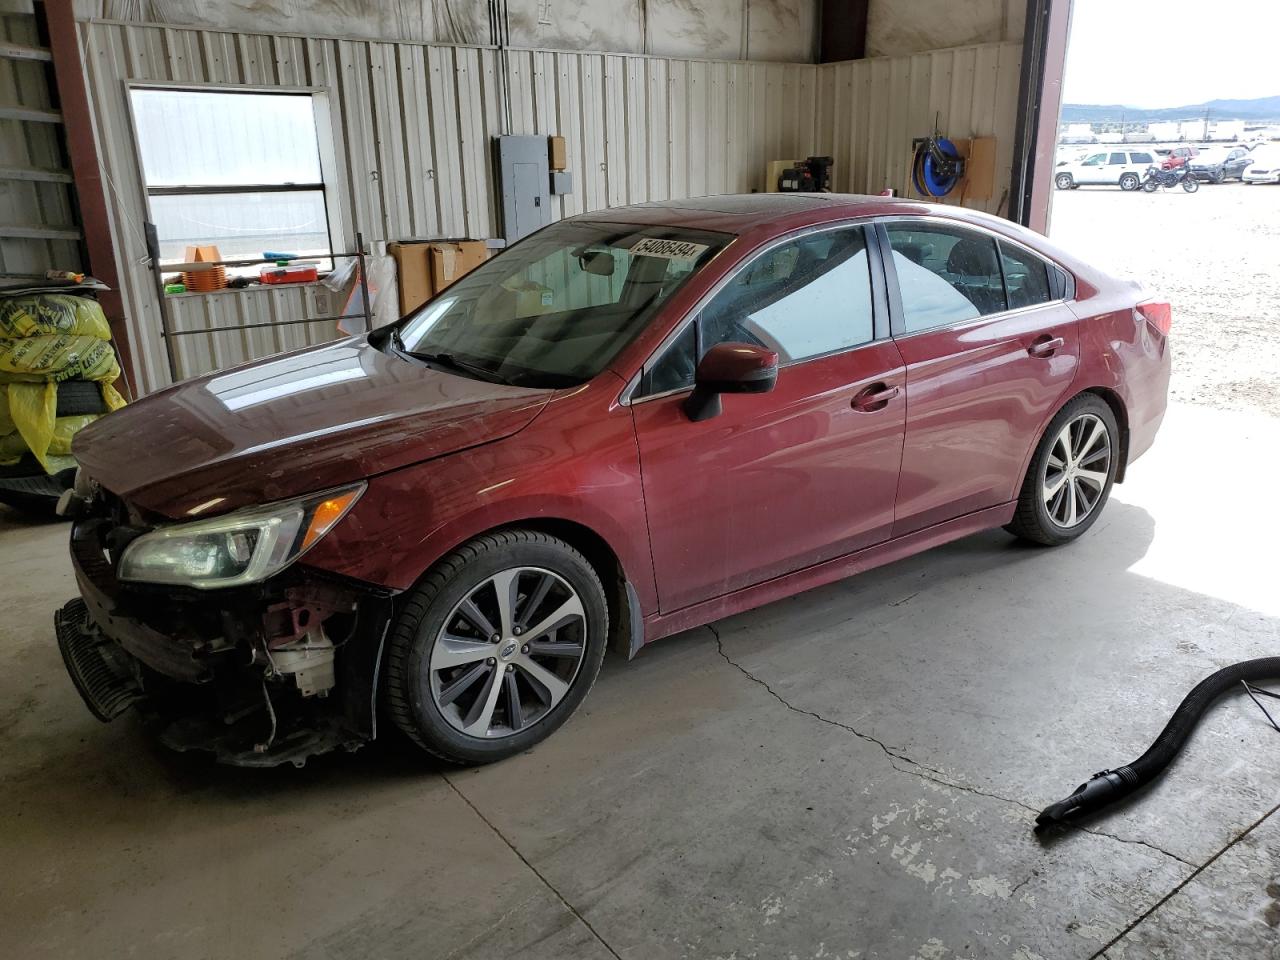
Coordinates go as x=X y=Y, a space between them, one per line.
x=628 y=424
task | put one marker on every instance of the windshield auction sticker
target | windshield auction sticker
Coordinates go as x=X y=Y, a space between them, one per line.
x=668 y=249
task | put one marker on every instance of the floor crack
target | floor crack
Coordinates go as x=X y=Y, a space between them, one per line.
x=1191 y=876
x=915 y=767
x=536 y=872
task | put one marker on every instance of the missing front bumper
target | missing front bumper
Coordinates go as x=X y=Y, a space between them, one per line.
x=101 y=672
x=258 y=678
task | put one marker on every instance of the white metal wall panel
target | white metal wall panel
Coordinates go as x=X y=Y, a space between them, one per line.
x=411 y=124
x=869 y=111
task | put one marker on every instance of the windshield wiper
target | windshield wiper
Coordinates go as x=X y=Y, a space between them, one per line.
x=450 y=361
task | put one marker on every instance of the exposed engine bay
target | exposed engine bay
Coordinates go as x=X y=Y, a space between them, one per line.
x=262 y=674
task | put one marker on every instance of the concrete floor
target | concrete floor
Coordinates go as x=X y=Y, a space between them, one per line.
x=849 y=773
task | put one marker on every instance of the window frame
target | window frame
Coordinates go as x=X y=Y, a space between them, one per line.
x=880 y=303
x=1061 y=280
x=324 y=147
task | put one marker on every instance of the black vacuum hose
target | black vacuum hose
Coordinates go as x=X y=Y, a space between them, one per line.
x=1110 y=785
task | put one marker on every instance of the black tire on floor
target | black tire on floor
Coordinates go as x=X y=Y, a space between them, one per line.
x=1064 y=181
x=422 y=614
x=1032 y=520
x=77 y=398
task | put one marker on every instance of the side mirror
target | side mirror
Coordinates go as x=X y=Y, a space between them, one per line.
x=729 y=368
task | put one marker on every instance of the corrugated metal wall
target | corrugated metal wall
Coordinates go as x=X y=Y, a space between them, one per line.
x=869 y=111
x=38 y=226
x=411 y=127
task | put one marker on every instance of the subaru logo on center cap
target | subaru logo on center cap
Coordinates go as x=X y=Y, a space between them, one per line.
x=508 y=649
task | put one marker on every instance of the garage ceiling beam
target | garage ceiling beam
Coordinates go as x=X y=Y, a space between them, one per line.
x=842 y=30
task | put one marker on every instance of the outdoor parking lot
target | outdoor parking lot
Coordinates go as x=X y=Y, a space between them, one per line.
x=1216 y=255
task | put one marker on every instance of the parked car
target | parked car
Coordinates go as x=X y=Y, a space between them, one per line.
x=628 y=424
x=1124 y=168
x=1177 y=157
x=1217 y=164
x=1264 y=165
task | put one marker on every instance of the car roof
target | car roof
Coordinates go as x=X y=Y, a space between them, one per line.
x=746 y=212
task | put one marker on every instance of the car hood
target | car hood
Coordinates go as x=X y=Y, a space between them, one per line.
x=291 y=425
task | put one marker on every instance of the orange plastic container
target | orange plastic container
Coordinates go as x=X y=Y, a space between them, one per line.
x=299 y=274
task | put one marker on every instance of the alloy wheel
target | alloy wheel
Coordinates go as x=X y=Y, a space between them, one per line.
x=508 y=652
x=1076 y=470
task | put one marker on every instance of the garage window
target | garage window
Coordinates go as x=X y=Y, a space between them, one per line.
x=238 y=170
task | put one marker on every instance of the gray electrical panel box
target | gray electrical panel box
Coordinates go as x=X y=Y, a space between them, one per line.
x=523 y=181
x=561 y=182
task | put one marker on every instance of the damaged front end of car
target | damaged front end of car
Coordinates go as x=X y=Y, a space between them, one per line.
x=215 y=634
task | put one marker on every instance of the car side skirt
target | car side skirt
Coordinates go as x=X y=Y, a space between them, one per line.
x=664 y=625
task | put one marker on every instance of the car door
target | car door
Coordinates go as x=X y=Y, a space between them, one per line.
x=781 y=480
x=1237 y=160
x=990 y=350
x=1093 y=169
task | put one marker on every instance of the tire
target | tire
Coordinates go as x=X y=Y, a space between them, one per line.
x=435 y=706
x=1129 y=181
x=77 y=398
x=1064 y=181
x=1190 y=184
x=1045 y=517
x=1151 y=186
x=1219 y=176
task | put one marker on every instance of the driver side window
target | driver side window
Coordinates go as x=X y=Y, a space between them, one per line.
x=805 y=298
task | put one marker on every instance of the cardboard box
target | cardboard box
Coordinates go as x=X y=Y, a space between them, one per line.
x=557 y=154
x=424 y=268
x=532 y=299
x=451 y=260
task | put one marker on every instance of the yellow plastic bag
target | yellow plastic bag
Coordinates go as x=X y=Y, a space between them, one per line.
x=111 y=397
x=56 y=358
x=33 y=408
x=52 y=313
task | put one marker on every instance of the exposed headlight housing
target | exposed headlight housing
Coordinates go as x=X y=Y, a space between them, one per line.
x=243 y=547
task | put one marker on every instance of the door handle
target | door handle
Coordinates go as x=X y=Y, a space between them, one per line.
x=873 y=398
x=1046 y=346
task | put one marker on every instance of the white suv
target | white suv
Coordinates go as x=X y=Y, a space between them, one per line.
x=1122 y=167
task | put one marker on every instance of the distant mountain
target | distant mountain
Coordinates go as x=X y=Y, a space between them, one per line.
x=1262 y=108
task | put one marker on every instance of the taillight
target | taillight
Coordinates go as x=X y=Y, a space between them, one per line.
x=1159 y=315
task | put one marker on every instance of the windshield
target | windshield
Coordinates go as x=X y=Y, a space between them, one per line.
x=554 y=309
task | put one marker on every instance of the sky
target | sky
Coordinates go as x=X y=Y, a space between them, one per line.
x=1171 y=53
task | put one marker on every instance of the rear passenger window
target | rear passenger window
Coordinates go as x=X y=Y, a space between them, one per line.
x=1117 y=158
x=1026 y=277
x=945 y=274
x=1141 y=158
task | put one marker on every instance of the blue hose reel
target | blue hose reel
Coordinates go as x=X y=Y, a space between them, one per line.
x=936 y=167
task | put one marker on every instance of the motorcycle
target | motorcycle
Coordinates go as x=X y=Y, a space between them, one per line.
x=1156 y=178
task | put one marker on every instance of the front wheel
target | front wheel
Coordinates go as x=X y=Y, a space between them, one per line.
x=1129 y=181
x=1219 y=176
x=496 y=647
x=1151 y=186
x=1064 y=181
x=1191 y=184
x=1071 y=474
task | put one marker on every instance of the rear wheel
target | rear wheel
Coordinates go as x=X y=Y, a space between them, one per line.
x=1071 y=474
x=497 y=647
x=1129 y=181
x=1064 y=181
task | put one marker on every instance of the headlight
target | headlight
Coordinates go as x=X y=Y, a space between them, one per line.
x=242 y=547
